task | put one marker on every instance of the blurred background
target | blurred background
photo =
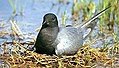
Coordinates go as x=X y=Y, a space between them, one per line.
x=27 y=16
x=21 y=20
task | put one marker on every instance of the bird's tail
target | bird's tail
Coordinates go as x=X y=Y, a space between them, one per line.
x=91 y=26
x=92 y=22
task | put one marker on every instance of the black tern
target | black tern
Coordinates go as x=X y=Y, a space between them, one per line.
x=53 y=39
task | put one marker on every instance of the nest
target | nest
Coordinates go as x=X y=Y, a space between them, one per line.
x=86 y=57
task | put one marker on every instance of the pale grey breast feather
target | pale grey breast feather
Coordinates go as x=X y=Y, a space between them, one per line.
x=70 y=40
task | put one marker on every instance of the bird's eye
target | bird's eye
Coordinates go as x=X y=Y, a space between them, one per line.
x=53 y=19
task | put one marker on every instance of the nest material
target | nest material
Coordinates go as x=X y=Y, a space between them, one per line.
x=86 y=57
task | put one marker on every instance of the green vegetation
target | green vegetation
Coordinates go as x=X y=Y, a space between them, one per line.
x=87 y=56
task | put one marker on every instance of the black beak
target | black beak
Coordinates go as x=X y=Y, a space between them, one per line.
x=44 y=22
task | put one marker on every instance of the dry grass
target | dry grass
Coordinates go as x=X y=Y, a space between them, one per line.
x=86 y=57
